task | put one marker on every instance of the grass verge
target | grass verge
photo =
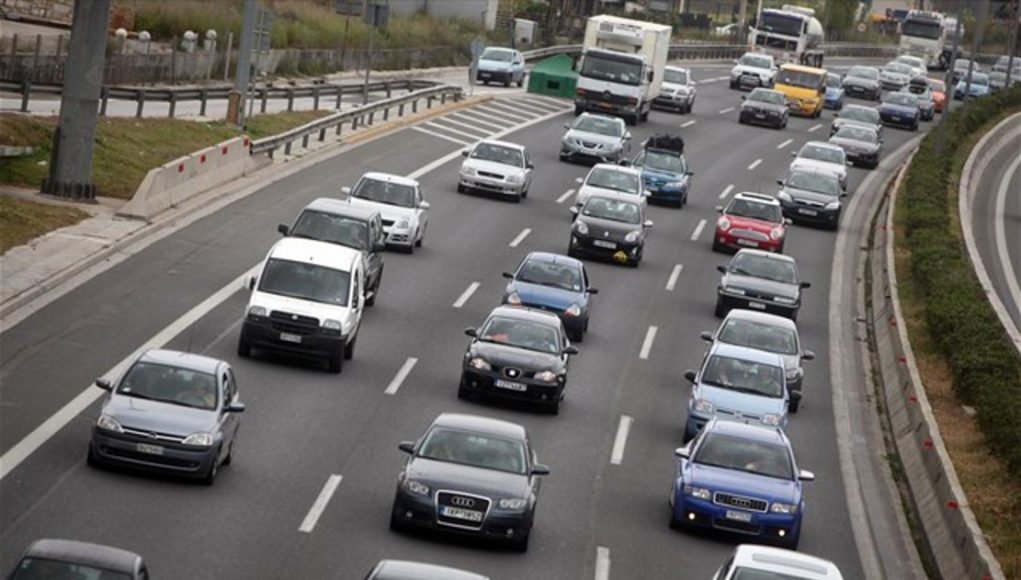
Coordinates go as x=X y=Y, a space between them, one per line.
x=22 y=220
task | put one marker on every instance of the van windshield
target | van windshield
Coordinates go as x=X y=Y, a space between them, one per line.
x=614 y=70
x=336 y=229
x=800 y=79
x=305 y=281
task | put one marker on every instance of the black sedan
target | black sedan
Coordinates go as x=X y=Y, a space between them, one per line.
x=811 y=196
x=612 y=226
x=175 y=412
x=470 y=475
x=518 y=353
x=762 y=281
x=764 y=107
x=863 y=145
x=862 y=82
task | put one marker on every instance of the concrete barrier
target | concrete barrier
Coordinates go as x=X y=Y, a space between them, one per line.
x=952 y=536
x=172 y=183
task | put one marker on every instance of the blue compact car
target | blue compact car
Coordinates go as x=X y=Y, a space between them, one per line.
x=665 y=170
x=834 y=92
x=900 y=109
x=979 y=86
x=742 y=479
x=555 y=283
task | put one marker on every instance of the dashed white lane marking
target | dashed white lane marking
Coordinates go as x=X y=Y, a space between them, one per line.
x=698 y=230
x=401 y=375
x=672 y=280
x=521 y=237
x=814 y=128
x=727 y=110
x=688 y=123
x=309 y=523
x=466 y=295
x=566 y=195
x=726 y=191
x=754 y=164
x=785 y=143
x=602 y=563
x=440 y=135
x=620 y=441
x=650 y=337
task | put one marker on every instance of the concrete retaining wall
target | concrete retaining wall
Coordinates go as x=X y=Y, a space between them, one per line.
x=167 y=186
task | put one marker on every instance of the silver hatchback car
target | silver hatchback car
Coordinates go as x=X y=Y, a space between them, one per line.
x=496 y=167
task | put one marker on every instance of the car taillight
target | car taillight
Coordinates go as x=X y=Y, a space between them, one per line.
x=581 y=92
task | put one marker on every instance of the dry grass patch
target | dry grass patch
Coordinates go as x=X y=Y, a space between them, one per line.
x=22 y=220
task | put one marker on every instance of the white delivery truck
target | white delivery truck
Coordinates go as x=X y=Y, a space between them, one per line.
x=790 y=34
x=621 y=67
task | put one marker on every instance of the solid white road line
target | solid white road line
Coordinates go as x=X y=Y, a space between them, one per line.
x=1000 y=216
x=754 y=164
x=602 y=563
x=466 y=295
x=22 y=449
x=727 y=110
x=814 y=128
x=672 y=281
x=650 y=337
x=726 y=191
x=440 y=135
x=309 y=523
x=402 y=374
x=785 y=143
x=566 y=195
x=472 y=137
x=698 y=230
x=521 y=237
x=623 y=428
x=688 y=123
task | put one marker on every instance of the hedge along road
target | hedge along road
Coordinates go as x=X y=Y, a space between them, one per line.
x=304 y=426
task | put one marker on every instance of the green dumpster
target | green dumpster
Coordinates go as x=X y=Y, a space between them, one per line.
x=554 y=76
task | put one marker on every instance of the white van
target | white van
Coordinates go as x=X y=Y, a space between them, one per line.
x=306 y=300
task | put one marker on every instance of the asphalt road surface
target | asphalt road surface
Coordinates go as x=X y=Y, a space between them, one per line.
x=304 y=425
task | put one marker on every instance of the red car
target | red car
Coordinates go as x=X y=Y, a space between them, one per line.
x=751 y=220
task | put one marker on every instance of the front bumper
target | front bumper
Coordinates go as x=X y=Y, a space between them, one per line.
x=806 y=108
x=502 y=76
x=576 y=152
x=862 y=92
x=898 y=120
x=484 y=382
x=748 y=80
x=262 y=334
x=770 y=306
x=675 y=101
x=138 y=452
x=800 y=212
x=620 y=252
x=491 y=185
x=708 y=515
x=421 y=512
x=862 y=159
x=761 y=118
x=734 y=241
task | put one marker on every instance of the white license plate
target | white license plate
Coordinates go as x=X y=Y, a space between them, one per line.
x=739 y=516
x=751 y=243
x=760 y=115
x=461 y=514
x=287 y=337
x=484 y=75
x=511 y=385
x=604 y=244
x=756 y=305
x=150 y=449
x=803 y=211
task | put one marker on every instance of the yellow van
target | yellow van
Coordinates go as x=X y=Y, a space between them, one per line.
x=804 y=87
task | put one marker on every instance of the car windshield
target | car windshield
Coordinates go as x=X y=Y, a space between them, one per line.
x=746 y=208
x=977 y=79
x=526 y=334
x=31 y=568
x=661 y=161
x=305 y=281
x=167 y=384
x=780 y=23
x=614 y=70
x=758 y=457
x=767 y=96
x=817 y=182
x=742 y=573
x=613 y=210
x=801 y=79
x=764 y=267
x=497 y=54
x=756 y=61
x=898 y=67
x=679 y=77
x=387 y=192
x=909 y=61
x=856 y=134
x=863 y=114
x=833 y=81
x=616 y=180
x=744 y=376
x=475 y=449
x=759 y=335
x=336 y=229
x=546 y=273
x=599 y=125
x=864 y=72
x=827 y=154
x=499 y=154
x=902 y=99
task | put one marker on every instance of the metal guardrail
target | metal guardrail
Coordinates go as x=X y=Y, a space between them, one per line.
x=718 y=51
x=363 y=115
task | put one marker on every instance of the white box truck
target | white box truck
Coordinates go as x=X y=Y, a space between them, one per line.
x=621 y=67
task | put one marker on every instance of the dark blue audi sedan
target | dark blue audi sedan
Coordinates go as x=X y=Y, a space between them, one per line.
x=555 y=283
x=741 y=479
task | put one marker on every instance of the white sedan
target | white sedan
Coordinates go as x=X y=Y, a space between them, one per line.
x=496 y=167
x=610 y=178
x=822 y=156
x=399 y=202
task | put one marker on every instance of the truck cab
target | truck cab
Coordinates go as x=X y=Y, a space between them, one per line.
x=790 y=34
x=804 y=87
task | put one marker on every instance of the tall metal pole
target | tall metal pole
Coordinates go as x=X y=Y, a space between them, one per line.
x=983 y=7
x=368 y=63
x=742 y=27
x=75 y=138
x=948 y=81
x=236 y=105
x=1012 y=39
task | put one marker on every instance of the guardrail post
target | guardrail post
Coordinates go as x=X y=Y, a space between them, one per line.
x=26 y=90
x=290 y=99
x=429 y=102
x=287 y=148
x=104 y=98
x=304 y=142
x=387 y=86
x=400 y=110
x=354 y=123
x=372 y=114
x=443 y=98
x=35 y=57
x=202 y=102
x=141 y=102
x=414 y=106
x=386 y=114
x=262 y=104
x=173 y=103
x=315 y=98
x=322 y=134
x=340 y=93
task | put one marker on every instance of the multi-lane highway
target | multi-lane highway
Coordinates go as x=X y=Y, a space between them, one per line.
x=304 y=426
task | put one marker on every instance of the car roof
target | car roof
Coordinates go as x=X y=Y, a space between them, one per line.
x=787 y=561
x=480 y=424
x=526 y=313
x=407 y=570
x=335 y=206
x=614 y=167
x=315 y=252
x=805 y=169
x=553 y=258
x=823 y=144
x=500 y=143
x=763 y=317
x=803 y=68
x=851 y=106
x=746 y=353
x=389 y=177
x=757 y=198
x=96 y=555
x=764 y=254
x=752 y=431
x=757 y=53
x=185 y=360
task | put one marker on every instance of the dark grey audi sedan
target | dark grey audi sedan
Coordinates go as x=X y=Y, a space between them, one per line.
x=470 y=475
x=171 y=411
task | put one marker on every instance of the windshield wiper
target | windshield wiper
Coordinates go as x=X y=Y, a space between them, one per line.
x=740 y=272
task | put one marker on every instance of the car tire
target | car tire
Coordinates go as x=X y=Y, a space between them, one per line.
x=721 y=309
x=795 y=403
x=521 y=544
x=349 y=348
x=91 y=459
x=521 y=81
x=717 y=246
x=336 y=362
x=791 y=543
x=733 y=84
x=571 y=253
x=782 y=246
x=794 y=316
x=461 y=188
x=244 y=346
x=370 y=302
x=553 y=408
x=230 y=452
x=507 y=83
x=210 y=476
x=676 y=524
x=524 y=194
x=576 y=335
x=396 y=525
x=578 y=110
x=643 y=117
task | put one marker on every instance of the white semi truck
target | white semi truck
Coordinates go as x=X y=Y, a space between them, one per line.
x=621 y=67
x=929 y=36
x=790 y=34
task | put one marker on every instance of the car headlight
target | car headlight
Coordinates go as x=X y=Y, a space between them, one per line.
x=256 y=312
x=514 y=298
x=698 y=492
x=403 y=224
x=678 y=185
x=199 y=439
x=512 y=503
x=573 y=310
x=330 y=324
x=784 y=300
x=777 y=233
x=480 y=364
x=581 y=228
x=107 y=423
x=783 y=508
x=465 y=170
x=833 y=205
x=793 y=374
x=516 y=178
x=723 y=224
x=732 y=290
x=784 y=196
x=771 y=419
x=704 y=406
x=415 y=487
x=631 y=236
x=546 y=376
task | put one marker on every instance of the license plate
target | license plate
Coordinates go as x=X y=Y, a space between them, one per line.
x=461 y=514
x=150 y=449
x=511 y=385
x=756 y=305
x=604 y=244
x=760 y=115
x=484 y=75
x=803 y=211
x=739 y=516
x=751 y=243
x=287 y=337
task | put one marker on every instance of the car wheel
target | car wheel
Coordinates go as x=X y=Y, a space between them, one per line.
x=396 y=525
x=571 y=253
x=553 y=408
x=336 y=362
x=794 y=316
x=578 y=110
x=576 y=335
x=733 y=84
x=520 y=544
x=643 y=117
x=517 y=198
x=461 y=188
x=91 y=459
x=721 y=308
x=349 y=348
x=717 y=246
x=677 y=524
x=419 y=241
x=463 y=392
x=371 y=301
x=244 y=346
x=524 y=194
x=783 y=244
x=230 y=452
x=795 y=403
x=210 y=477
x=507 y=83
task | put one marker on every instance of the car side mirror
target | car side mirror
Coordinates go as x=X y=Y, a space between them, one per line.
x=707 y=336
x=540 y=469
x=689 y=173
x=627 y=136
x=647 y=225
x=407 y=446
x=690 y=375
x=424 y=205
x=593 y=290
x=571 y=351
x=573 y=209
x=719 y=209
x=842 y=194
x=806 y=475
x=682 y=453
x=235 y=408
x=808 y=355
x=788 y=221
x=806 y=284
x=472 y=332
x=345 y=190
x=794 y=153
x=779 y=182
x=508 y=275
x=567 y=125
x=530 y=165
x=251 y=282
x=721 y=269
x=744 y=98
x=465 y=152
x=283 y=229
x=104 y=384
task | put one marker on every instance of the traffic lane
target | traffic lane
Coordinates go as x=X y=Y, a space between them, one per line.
x=986 y=221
